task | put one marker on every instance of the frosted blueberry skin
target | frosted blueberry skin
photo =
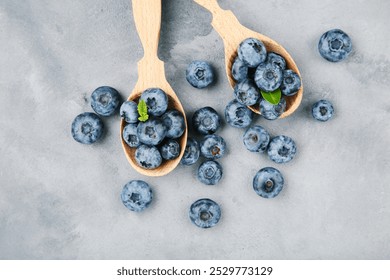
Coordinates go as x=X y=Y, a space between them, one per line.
x=281 y=149
x=170 y=149
x=136 y=195
x=148 y=157
x=256 y=139
x=268 y=182
x=252 y=52
x=272 y=112
x=174 y=122
x=322 y=110
x=276 y=59
x=335 y=45
x=212 y=147
x=268 y=77
x=210 y=172
x=129 y=112
x=206 y=121
x=191 y=153
x=239 y=70
x=87 y=128
x=199 y=74
x=105 y=100
x=151 y=132
x=291 y=83
x=130 y=135
x=238 y=115
x=246 y=93
x=205 y=213
x=156 y=100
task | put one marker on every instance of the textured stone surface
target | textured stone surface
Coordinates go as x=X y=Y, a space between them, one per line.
x=61 y=200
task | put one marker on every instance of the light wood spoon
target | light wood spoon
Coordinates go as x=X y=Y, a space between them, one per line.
x=233 y=33
x=151 y=74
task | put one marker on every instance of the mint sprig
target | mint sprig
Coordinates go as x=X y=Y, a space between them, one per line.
x=142 y=111
x=272 y=97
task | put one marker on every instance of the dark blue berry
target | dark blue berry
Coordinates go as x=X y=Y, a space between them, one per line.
x=238 y=115
x=210 y=172
x=322 y=110
x=174 y=122
x=270 y=111
x=268 y=77
x=156 y=100
x=129 y=111
x=205 y=213
x=281 y=149
x=199 y=74
x=151 y=132
x=252 y=52
x=148 y=157
x=206 y=121
x=136 y=195
x=246 y=93
x=191 y=153
x=170 y=149
x=105 y=100
x=256 y=139
x=87 y=128
x=335 y=45
x=130 y=135
x=276 y=59
x=291 y=83
x=212 y=146
x=239 y=70
x=268 y=182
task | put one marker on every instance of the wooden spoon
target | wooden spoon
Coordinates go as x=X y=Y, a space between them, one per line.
x=151 y=74
x=233 y=33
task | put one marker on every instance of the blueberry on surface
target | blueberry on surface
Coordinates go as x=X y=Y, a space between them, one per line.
x=130 y=135
x=272 y=112
x=268 y=77
x=322 y=110
x=276 y=59
x=291 y=83
x=105 y=100
x=252 y=52
x=239 y=70
x=335 y=45
x=246 y=93
x=148 y=157
x=256 y=139
x=268 y=182
x=199 y=74
x=206 y=120
x=281 y=149
x=174 y=122
x=212 y=146
x=238 y=115
x=136 y=195
x=170 y=149
x=210 y=172
x=87 y=128
x=156 y=100
x=205 y=213
x=151 y=132
x=191 y=153
x=129 y=111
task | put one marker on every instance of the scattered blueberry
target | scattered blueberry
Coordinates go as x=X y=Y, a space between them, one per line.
x=212 y=146
x=174 y=121
x=105 y=100
x=335 y=45
x=239 y=70
x=87 y=128
x=291 y=83
x=252 y=52
x=276 y=59
x=246 y=92
x=199 y=74
x=130 y=135
x=206 y=120
x=256 y=139
x=272 y=112
x=322 y=110
x=148 y=157
x=268 y=77
x=156 y=100
x=151 y=132
x=210 y=172
x=129 y=111
x=170 y=149
x=238 y=115
x=268 y=182
x=136 y=195
x=281 y=149
x=205 y=213
x=191 y=153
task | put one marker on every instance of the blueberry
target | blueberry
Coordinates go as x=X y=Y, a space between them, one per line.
x=206 y=120
x=151 y=132
x=272 y=112
x=252 y=52
x=170 y=149
x=322 y=110
x=210 y=172
x=148 y=157
x=129 y=111
x=136 y=195
x=291 y=83
x=335 y=45
x=246 y=92
x=239 y=70
x=156 y=100
x=87 y=128
x=105 y=100
x=276 y=59
x=174 y=122
x=238 y=115
x=205 y=213
x=130 y=135
x=256 y=139
x=268 y=77
x=212 y=146
x=281 y=149
x=268 y=182
x=199 y=74
x=191 y=153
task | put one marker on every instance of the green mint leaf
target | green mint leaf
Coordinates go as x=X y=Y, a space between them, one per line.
x=272 y=97
x=142 y=111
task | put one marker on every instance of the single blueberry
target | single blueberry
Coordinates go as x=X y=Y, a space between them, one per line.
x=291 y=83
x=191 y=153
x=268 y=182
x=210 y=172
x=239 y=70
x=246 y=93
x=268 y=77
x=136 y=195
x=148 y=157
x=322 y=110
x=270 y=111
x=252 y=52
x=170 y=149
x=212 y=146
x=256 y=139
x=238 y=115
x=174 y=122
x=156 y=100
x=105 y=100
x=276 y=59
x=129 y=111
x=335 y=45
x=130 y=135
x=199 y=74
x=87 y=128
x=206 y=120
x=205 y=213
x=151 y=132
x=281 y=149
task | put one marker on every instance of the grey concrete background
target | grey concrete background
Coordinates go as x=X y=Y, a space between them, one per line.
x=60 y=199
